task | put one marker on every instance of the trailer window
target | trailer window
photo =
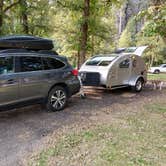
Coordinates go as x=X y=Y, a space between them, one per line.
x=104 y=63
x=100 y=61
x=125 y=64
x=93 y=62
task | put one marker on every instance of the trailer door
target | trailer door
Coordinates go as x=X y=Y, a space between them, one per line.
x=124 y=71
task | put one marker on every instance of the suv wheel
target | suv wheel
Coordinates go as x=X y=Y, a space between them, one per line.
x=57 y=99
x=156 y=71
x=139 y=85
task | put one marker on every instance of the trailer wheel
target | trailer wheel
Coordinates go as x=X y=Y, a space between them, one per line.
x=83 y=96
x=139 y=85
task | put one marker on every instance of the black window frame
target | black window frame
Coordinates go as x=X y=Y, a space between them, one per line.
x=19 y=67
x=56 y=59
x=105 y=63
x=13 y=67
x=124 y=66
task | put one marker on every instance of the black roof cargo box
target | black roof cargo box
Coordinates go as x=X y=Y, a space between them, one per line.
x=26 y=42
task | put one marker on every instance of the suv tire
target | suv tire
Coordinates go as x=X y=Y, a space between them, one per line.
x=57 y=99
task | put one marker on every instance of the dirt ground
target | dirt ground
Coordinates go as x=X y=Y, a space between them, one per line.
x=27 y=130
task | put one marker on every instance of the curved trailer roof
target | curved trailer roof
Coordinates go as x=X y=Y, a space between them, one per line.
x=132 y=50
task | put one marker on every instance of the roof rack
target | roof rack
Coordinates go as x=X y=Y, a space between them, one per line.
x=50 y=52
x=20 y=37
x=25 y=42
x=47 y=52
x=12 y=50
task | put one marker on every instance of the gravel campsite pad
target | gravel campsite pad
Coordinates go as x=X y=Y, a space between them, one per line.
x=108 y=127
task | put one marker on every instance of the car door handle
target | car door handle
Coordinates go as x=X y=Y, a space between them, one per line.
x=10 y=81
x=47 y=74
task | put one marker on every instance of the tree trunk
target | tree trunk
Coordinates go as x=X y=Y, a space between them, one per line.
x=157 y=2
x=93 y=45
x=24 y=16
x=126 y=14
x=1 y=16
x=164 y=40
x=120 y=22
x=84 y=32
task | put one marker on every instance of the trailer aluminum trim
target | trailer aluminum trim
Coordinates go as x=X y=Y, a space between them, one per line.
x=115 y=70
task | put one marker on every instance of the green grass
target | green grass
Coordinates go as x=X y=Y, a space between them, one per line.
x=161 y=76
x=133 y=140
x=157 y=108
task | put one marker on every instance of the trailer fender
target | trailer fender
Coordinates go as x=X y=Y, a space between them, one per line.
x=133 y=80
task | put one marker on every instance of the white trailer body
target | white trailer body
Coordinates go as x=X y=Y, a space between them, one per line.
x=116 y=70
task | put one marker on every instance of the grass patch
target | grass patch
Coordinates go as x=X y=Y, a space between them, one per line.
x=157 y=108
x=161 y=76
x=131 y=140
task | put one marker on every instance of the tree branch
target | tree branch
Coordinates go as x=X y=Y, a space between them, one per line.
x=69 y=5
x=10 y=6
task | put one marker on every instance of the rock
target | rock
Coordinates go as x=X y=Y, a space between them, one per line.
x=128 y=10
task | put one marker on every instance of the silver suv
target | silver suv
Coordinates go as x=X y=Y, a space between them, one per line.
x=35 y=76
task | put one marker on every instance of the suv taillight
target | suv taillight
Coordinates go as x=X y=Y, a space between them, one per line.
x=75 y=72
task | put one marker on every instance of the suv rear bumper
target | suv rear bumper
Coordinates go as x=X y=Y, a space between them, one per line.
x=73 y=87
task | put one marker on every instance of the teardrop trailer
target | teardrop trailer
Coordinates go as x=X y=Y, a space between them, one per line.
x=124 y=68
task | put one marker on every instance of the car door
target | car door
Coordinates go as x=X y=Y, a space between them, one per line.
x=30 y=75
x=9 y=81
x=163 y=68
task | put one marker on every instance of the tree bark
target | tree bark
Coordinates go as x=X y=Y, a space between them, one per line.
x=24 y=16
x=11 y=5
x=120 y=22
x=126 y=14
x=84 y=32
x=1 y=15
x=157 y=2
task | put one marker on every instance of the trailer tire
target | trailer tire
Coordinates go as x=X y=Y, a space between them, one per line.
x=139 y=85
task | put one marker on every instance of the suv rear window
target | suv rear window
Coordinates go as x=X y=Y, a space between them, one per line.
x=51 y=63
x=30 y=64
x=6 y=65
